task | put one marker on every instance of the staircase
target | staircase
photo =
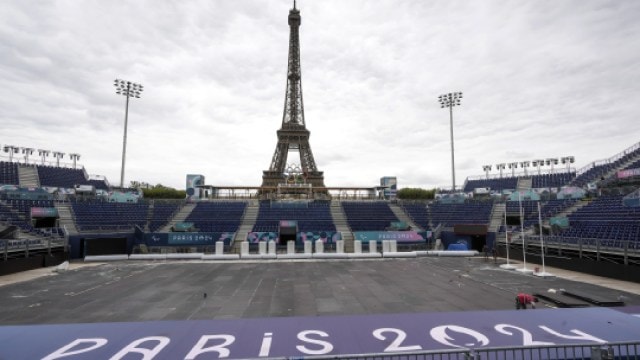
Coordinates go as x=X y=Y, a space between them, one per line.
x=149 y=216
x=179 y=217
x=570 y=209
x=497 y=216
x=524 y=183
x=340 y=221
x=402 y=216
x=65 y=218
x=28 y=176
x=248 y=220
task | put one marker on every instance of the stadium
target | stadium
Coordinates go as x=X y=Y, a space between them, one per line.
x=296 y=268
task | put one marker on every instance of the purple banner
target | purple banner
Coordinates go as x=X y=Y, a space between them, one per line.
x=399 y=236
x=288 y=223
x=307 y=336
x=628 y=173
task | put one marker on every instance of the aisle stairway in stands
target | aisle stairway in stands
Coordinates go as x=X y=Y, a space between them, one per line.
x=402 y=216
x=524 y=183
x=568 y=211
x=497 y=216
x=65 y=218
x=28 y=176
x=248 y=220
x=340 y=221
x=180 y=217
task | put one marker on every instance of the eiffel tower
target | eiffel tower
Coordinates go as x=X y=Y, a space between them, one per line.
x=293 y=135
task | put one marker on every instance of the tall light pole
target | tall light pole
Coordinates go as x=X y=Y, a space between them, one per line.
x=524 y=165
x=486 y=169
x=513 y=166
x=128 y=89
x=74 y=157
x=43 y=154
x=58 y=155
x=450 y=100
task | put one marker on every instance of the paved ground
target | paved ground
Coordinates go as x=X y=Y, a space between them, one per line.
x=132 y=291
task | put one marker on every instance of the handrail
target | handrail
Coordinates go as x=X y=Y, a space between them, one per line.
x=610 y=160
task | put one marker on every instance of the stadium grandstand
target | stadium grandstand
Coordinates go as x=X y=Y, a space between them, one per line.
x=586 y=220
x=294 y=268
x=60 y=208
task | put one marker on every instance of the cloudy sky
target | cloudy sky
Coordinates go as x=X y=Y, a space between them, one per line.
x=541 y=78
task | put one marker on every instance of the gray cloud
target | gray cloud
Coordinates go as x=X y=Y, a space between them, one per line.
x=540 y=78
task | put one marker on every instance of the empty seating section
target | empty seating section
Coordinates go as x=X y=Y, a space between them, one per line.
x=605 y=218
x=18 y=213
x=8 y=173
x=596 y=172
x=551 y=180
x=548 y=209
x=98 y=184
x=470 y=212
x=61 y=177
x=418 y=213
x=368 y=216
x=505 y=183
x=529 y=211
x=162 y=213
x=219 y=216
x=311 y=216
x=109 y=215
x=633 y=165
x=552 y=208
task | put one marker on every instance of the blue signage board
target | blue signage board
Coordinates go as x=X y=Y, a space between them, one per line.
x=187 y=238
x=317 y=336
x=399 y=236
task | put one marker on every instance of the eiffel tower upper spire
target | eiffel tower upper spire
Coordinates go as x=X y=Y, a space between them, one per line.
x=293 y=105
x=293 y=135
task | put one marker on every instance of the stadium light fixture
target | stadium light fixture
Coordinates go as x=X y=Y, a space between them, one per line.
x=11 y=150
x=449 y=101
x=486 y=169
x=525 y=165
x=551 y=162
x=538 y=163
x=26 y=151
x=568 y=160
x=513 y=166
x=501 y=167
x=43 y=153
x=130 y=90
x=58 y=155
x=74 y=157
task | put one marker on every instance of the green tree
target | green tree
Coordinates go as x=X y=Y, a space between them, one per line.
x=415 y=194
x=160 y=191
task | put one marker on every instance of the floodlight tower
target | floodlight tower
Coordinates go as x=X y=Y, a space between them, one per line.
x=513 y=166
x=486 y=169
x=26 y=151
x=128 y=89
x=58 y=155
x=552 y=161
x=568 y=160
x=501 y=167
x=11 y=150
x=525 y=165
x=450 y=100
x=43 y=153
x=75 y=157
x=538 y=163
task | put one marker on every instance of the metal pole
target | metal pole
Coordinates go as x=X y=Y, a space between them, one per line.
x=124 y=140
x=506 y=233
x=541 y=239
x=453 y=168
x=524 y=253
